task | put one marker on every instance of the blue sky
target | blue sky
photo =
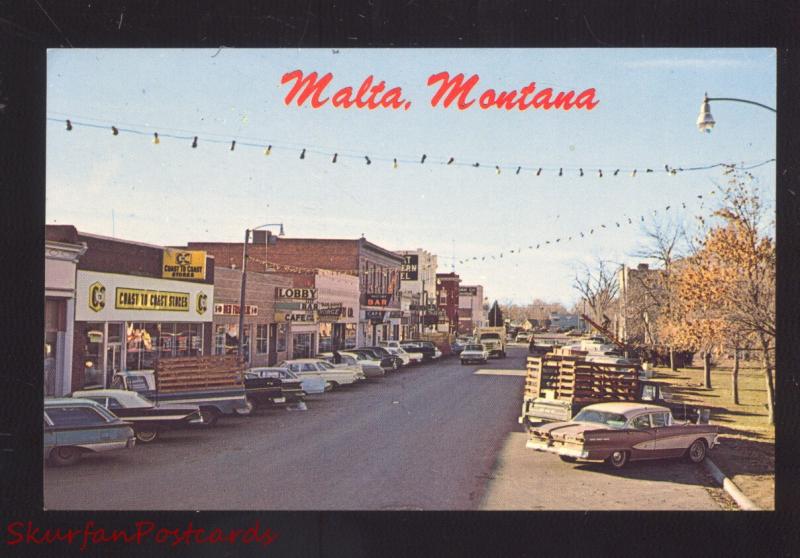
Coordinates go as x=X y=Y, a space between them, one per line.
x=171 y=194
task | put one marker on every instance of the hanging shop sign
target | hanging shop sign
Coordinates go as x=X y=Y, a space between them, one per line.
x=468 y=291
x=183 y=264
x=396 y=314
x=233 y=309
x=295 y=317
x=374 y=316
x=409 y=269
x=329 y=313
x=144 y=299
x=295 y=293
x=378 y=300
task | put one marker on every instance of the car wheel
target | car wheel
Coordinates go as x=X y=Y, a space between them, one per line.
x=618 y=459
x=210 y=415
x=568 y=458
x=697 y=451
x=146 y=436
x=63 y=456
x=334 y=385
x=246 y=410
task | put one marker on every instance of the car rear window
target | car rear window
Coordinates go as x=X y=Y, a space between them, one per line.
x=75 y=416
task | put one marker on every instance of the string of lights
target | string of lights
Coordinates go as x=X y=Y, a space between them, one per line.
x=194 y=139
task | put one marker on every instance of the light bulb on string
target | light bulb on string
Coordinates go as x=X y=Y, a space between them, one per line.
x=233 y=145
x=519 y=169
x=394 y=164
x=155 y=138
x=450 y=162
x=538 y=172
x=581 y=171
x=268 y=150
x=633 y=173
x=303 y=153
x=69 y=126
x=114 y=130
x=476 y=165
x=561 y=172
x=497 y=168
x=194 y=143
x=335 y=156
x=616 y=172
x=368 y=161
x=649 y=170
x=423 y=158
x=600 y=173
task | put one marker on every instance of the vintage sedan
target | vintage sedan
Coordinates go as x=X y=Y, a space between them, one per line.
x=147 y=418
x=620 y=432
x=346 y=359
x=318 y=368
x=396 y=348
x=273 y=386
x=73 y=427
x=474 y=353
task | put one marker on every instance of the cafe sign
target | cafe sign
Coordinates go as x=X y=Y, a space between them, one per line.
x=183 y=264
x=295 y=317
x=374 y=316
x=233 y=309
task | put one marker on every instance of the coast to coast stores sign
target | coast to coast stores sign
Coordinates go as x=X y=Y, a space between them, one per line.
x=183 y=264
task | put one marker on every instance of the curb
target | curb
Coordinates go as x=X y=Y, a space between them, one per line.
x=727 y=484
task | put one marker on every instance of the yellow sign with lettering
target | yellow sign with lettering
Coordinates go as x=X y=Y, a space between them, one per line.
x=144 y=299
x=184 y=264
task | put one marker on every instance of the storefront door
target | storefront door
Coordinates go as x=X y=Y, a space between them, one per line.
x=303 y=345
x=113 y=361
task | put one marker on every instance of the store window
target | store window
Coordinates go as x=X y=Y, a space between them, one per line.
x=262 y=338
x=326 y=337
x=145 y=342
x=93 y=349
x=226 y=340
x=350 y=332
x=280 y=344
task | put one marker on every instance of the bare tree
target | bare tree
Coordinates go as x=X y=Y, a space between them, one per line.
x=598 y=286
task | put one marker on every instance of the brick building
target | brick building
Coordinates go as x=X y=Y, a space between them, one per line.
x=378 y=269
x=447 y=299
x=127 y=314
x=266 y=341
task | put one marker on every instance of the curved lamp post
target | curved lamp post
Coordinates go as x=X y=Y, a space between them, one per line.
x=244 y=280
x=705 y=122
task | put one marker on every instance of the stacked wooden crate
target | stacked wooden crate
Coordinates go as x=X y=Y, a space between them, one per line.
x=198 y=373
x=568 y=376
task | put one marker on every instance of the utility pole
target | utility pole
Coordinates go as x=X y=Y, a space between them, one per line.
x=241 y=297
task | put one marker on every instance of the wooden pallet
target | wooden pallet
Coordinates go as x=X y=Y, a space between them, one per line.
x=197 y=373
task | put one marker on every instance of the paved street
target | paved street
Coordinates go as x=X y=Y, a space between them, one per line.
x=434 y=437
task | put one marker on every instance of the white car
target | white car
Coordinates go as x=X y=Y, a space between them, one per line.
x=474 y=353
x=369 y=368
x=314 y=367
x=395 y=348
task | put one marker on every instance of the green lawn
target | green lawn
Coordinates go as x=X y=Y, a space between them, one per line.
x=746 y=453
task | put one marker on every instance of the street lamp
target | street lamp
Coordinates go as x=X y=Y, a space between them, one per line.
x=244 y=279
x=705 y=121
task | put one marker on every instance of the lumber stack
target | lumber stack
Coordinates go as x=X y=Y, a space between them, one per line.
x=198 y=373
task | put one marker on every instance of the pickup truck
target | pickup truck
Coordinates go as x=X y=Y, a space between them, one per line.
x=213 y=383
x=493 y=339
x=541 y=409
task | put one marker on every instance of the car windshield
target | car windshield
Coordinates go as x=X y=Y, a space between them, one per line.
x=474 y=348
x=612 y=420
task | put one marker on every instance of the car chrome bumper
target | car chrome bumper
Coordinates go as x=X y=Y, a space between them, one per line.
x=569 y=452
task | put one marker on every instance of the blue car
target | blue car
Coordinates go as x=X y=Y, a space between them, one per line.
x=73 y=427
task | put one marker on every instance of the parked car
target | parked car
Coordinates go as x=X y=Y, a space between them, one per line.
x=148 y=419
x=268 y=386
x=395 y=347
x=474 y=353
x=458 y=344
x=403 y=355
x=73 y=427
x=314 y=367
x=621 y=432
x=345 y=359
x=389 y=364
x=293 y=392
x=427 y=348
x=383 y=353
